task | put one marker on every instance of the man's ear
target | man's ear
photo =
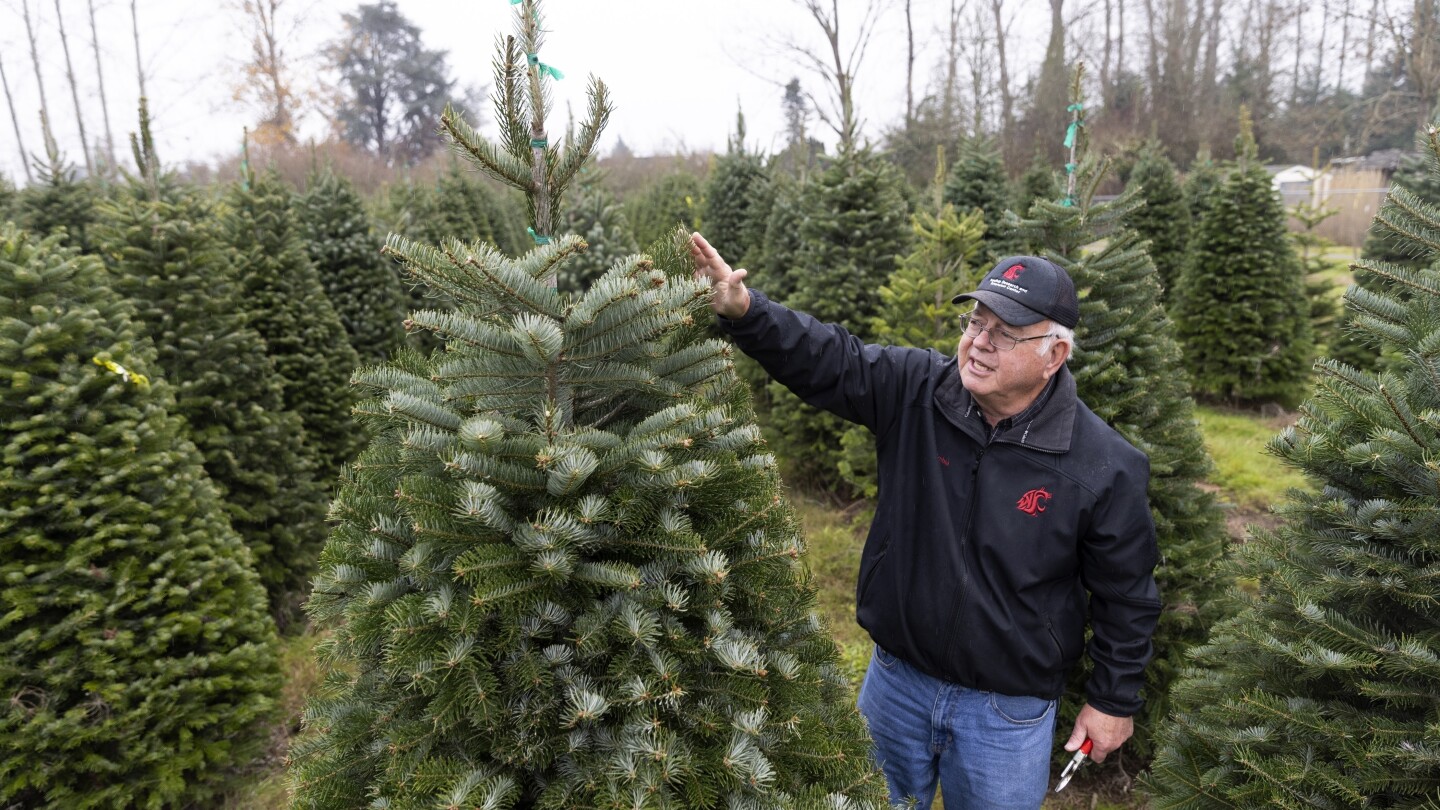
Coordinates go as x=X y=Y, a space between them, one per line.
x=1055 y=358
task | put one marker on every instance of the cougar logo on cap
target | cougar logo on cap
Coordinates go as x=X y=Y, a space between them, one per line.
x=1013 y=274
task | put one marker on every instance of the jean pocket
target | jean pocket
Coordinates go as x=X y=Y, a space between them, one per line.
x=884 y=658
x=1021 y=710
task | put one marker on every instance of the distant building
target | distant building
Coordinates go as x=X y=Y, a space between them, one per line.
x=1300 y=184
x=1354 y=187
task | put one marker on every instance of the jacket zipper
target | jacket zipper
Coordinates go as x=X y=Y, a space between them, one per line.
x=964 y=555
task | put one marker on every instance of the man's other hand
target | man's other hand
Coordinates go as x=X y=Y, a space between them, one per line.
x=731 y=299
x=1106 y=731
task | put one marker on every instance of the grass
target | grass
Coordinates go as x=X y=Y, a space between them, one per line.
x=262 y=786
x=1246 y=473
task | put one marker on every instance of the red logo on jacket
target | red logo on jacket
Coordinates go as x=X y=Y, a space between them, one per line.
x=1033 y=502
x=1013 y=274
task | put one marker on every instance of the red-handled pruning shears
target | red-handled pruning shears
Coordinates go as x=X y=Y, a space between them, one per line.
x=1075 y=763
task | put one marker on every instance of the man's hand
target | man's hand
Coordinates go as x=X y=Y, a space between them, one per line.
x=731 y=299
x=1106 y=731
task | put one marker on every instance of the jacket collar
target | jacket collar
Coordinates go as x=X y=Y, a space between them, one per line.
x=1047 y=428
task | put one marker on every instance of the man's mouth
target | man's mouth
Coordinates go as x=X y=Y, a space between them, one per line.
x=979 y=366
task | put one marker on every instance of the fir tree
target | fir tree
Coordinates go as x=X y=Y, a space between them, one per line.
x=562 y=573
x=915 y=307
x=1201 y=182
x=8 y=195
x=1128 y=368
x=1164 y=220
x=364 y=290
x=412 y=210
x=731 y=196
x=165 y=253
x=58 y=202
x=978 y=181
x=282 y=298
x=1240 y=307
x=851 y=233
x=596 y=217
x=1323 y=691
x=135 y=651
x=1382 y=246
x=675 y=200
x=777 y=257
x=1038 y=183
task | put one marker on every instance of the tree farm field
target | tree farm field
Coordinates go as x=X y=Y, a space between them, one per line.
x=1246 y=479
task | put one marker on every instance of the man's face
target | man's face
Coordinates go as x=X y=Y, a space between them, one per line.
x=1004 y=382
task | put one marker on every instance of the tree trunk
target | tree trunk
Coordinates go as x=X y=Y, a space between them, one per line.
x=1299 y=48
x=139 y=63
x=1153 y=63
x=1007 y=95
x=74 y=92
x=45 y=133
x=100 y=77
x=909 y=68
x=1107 y=96
x=1344 y=46
x=15 y=121
x=950 y=93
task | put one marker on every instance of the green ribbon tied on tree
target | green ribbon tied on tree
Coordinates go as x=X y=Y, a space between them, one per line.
x=539 y=240
x=554 y=72
x=539 y=143
x=1075 y=125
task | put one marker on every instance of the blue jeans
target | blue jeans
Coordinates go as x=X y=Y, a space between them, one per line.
x=988 y=751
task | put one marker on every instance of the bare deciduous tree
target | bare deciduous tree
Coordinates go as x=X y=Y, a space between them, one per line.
x=100 y=78
x=39 y=79
x=266 y=77
x=15 y=121
x=74 y=92
x=838 y=67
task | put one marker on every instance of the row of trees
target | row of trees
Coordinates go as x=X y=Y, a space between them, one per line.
x=563 y=572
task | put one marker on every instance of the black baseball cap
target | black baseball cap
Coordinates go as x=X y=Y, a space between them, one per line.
x=1022 y=290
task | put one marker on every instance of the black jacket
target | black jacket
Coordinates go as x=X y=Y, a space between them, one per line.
x=984 y=545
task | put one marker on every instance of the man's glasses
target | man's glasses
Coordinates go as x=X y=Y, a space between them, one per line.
x=999 y=338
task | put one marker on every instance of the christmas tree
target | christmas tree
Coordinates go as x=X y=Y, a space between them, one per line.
x=1381 y=245
x=1164 y=220
x=596 y=217
x=282 y=298
x=916 y=308
x=165 y=253
x=1037 y=183
x=978 y=181
x=732 y=196
x=136 y=654
x=1240 y=307
x=1201 y=182
x=675 y=200
x=59 y=201
x=363 y=287
x=776 y=258
x=1128 y=368
x=8 y=195
x=562 y=574
x=851 y=232
x=1323 y=691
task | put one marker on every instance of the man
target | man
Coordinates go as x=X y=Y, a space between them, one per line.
x=1004 y=501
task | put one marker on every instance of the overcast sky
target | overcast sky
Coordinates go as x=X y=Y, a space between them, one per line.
x=677 y=69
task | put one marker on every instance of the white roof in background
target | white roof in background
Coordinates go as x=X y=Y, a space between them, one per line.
x=1293 y=174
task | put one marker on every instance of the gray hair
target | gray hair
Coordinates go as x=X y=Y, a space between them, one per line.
x=1058 y=333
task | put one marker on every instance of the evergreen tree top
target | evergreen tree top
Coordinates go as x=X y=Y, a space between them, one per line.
x=563 y=574
x=1323 y=690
